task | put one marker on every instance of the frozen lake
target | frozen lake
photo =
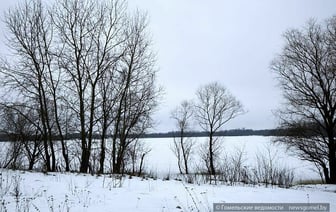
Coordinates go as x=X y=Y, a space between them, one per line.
x=162 y=160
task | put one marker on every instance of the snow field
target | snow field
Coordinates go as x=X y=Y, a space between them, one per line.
x=78 y=192
x=29 y=191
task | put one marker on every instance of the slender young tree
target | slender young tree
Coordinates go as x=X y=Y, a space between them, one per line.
x=215 y=106
x=183 y=145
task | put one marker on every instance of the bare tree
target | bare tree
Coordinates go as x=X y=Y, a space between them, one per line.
x=136 y=154
x=17 y=122
x=109 y=96
x=306 y=70
x=183 y=145
x=90 y=38
x=138 y=95
x=215 y=107
x=82 y=62
x=31 y=75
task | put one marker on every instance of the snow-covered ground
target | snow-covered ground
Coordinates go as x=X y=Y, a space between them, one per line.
x=29 y=191
x=21 y=191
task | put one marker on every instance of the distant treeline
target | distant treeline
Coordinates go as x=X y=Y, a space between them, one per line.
x=233 y=132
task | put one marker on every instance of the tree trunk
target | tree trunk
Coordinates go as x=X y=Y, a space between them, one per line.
x=102 y=153
x=53 y=156
x=114 y=146
x=326 y=174
x=120 y=159
x=44 y=132
x=85 y=156
x=64 y=148
x=141 y=164
x=65 y=155
x=91 y=124
x=85 y=159
x=332 y=161
x=211 y=159
x=184 y=152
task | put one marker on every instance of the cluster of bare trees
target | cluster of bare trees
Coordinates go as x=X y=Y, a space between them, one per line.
x=213 y=108
x=85 y=70
x=81 y=68
x=306 y=69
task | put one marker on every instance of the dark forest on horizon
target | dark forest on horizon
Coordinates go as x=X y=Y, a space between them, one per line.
x=172 y=134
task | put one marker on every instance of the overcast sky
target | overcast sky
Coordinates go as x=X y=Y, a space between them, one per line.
x=229 y=41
